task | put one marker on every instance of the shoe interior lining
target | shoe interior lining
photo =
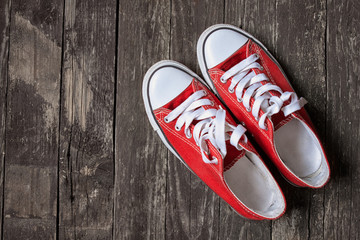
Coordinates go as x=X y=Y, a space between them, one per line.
x=301 y=152
x=253 y=185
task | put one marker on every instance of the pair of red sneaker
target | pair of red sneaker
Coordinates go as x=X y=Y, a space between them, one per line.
x=194 y=124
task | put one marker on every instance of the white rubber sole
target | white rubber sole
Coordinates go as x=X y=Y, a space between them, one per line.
x=148 y=108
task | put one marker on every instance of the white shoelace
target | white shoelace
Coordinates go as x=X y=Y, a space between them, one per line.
x=212 y=125
x=244 y=77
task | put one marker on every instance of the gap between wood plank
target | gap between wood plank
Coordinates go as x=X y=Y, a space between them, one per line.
x=60 y=122
x=117 y=25
x=9 y=7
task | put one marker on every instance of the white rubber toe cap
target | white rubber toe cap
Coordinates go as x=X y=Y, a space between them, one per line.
x=166 y=83
x=220 y=44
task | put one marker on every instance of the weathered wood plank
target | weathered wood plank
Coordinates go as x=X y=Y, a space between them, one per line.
x=4 y=58
x=342 y=195
x=278 y=26
x=155 y=196
x=86 y=166
x=32 y=120
x=141 y=157
x=193 y=208
x=256 y=17
x=259 y=19
x=300 y=49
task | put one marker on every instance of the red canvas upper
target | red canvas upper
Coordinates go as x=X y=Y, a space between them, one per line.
x=265 y=138
x=210 y=173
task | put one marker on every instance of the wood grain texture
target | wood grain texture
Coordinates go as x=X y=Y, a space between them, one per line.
x=193 y=208
x=78 y=157
x=30 y=195
x=141 y=157
x=4 y=58
x=259 y=19
x=300 y=49
x=292 y=36
x=342 y=194
x=86 y=166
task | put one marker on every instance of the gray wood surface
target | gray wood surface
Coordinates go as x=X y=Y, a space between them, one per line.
x=32 y=120
x=341 y=201
x=302 y=54
x=187 y=194
x=78 y=157
x=4 y=58
x=86 y=163
x=141 y=158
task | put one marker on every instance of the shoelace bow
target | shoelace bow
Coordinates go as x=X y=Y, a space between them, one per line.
x=247 y=85
x=212 y=125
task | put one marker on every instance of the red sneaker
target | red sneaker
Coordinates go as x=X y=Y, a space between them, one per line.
x=194 y=126
x=247 y=78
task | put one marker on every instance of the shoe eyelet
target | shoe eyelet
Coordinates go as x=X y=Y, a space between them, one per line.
x=243 y=124
x=166 y=120
x=239 y=147
x=265 y=129
x=239 y=100
x=231 y=90
x=205 y=92
x=222 y=80
x=256 y=55
x=248 y=109
x=177 y=128
x=261 y=68
x=188 y=135
x=214 y=160
x=212 y=103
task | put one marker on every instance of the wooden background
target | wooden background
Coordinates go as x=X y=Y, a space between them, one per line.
x=79 y=159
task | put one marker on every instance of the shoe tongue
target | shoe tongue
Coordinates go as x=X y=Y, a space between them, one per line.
x=280 y=120
x=232 y=156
